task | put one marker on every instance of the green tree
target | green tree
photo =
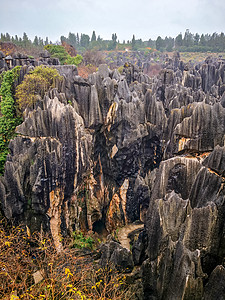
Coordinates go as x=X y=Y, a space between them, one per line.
x=2 y=37
x=72 y=39
x=179 y=41
x=7 y=37
x=78 y=39
x=202 y=40
x=93 y=38
x=46 y=41
x=84 y=40
x=196 y=39
x=35 y=42
x=188 y=39
x=63 y=39
x=159 y=43
x=40 y=42
x=26 y=41
x=169 y=44
x=133 y=43
x=112 y=44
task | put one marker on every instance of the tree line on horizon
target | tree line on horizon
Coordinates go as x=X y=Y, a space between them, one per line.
x=81 y=42
x=192 y=42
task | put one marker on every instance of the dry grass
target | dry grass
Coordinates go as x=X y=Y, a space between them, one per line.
x=70 y=274
x=197 y=57
x=85 y=71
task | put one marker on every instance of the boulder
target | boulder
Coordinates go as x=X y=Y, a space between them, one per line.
x=113 y=253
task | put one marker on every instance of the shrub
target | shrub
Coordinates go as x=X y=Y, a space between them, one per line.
x=120 y=69
x=74 y=60
x=64 y=58
x=65 y=275
x=93 y=57
x=80 y=241
x=37 y=82
x=85 y=71
x=58 y=52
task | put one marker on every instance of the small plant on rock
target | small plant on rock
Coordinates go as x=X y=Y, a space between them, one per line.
x=80 y=241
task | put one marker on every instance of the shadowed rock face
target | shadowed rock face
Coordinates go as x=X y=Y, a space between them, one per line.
x=116 y=148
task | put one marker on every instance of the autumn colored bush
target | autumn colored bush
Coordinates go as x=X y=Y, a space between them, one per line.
x=31 y=268
x=8 y=48
x=85 y=71
x=37 y=82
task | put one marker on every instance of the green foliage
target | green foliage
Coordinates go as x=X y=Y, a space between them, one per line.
x=37 y=82
x=133 y=42
x=58 y=52
x=27 y=91
x=80 y=241
x=64 y=58
x=192 y=42
x=84 y=40
x=159 y=43
x=9 y=119
x=93 y=38
x=74 y=60
x=120 y=69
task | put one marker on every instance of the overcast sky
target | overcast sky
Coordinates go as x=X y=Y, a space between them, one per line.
x=143 y=18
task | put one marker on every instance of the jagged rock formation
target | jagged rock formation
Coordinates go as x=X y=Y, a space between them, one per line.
x=100 y=153
x=19 y=59
x=113 y=253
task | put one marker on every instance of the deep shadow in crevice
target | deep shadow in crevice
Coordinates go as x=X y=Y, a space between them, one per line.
x=99 y=227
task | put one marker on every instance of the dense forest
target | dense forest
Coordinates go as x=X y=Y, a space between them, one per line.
x=188 y=42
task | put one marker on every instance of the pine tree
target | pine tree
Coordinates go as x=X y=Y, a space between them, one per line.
x=159 y=43
x=46 y=41
x=93 y=38
x=7 y=37
x=35 y=42
x=78 y=39
x=25 y=40
x=133 y=42
x=179 y=41
x=72 y=39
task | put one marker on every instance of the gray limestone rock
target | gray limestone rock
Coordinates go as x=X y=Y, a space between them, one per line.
x=215 y=288
x=98 y=153
x=114 y=253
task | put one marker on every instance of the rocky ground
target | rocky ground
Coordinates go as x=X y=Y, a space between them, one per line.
x=103 y=152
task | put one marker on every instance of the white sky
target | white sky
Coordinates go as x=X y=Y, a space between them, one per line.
x=143 y=18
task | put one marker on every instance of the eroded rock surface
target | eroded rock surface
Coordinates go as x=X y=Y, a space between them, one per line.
x=101 y=153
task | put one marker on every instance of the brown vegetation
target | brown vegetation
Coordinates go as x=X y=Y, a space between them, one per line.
x=84 y=71
x=93 y=57
x=31 y=268
x=69 y=49
x=8 y=48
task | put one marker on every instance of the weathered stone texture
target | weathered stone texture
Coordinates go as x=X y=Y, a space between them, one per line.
x=103 y=152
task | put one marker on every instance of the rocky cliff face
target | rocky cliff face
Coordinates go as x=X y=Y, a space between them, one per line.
x=103 y=152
